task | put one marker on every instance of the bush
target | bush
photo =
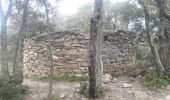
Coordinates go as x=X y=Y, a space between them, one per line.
x=153 y=79
x=11 y=91
x=140 y=63
x=55 y=97
x=143 y=64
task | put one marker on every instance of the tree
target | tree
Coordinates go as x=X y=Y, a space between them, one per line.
x=95 y=58
x=46 y=6
x=164 y=35
x=151 y=44
x=4 y=56
x=18 y=61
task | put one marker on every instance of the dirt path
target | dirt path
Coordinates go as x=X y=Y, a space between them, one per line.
x=65 y=90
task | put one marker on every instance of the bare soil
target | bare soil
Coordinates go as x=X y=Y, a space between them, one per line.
x=37 y=90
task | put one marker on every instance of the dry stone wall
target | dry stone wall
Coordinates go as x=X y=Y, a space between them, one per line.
x=70 y=53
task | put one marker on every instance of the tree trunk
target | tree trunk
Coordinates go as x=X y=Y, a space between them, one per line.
x=164 y=40
x=4 y=49
x=44 y=2
x=51 y=72
x=95 y=58
x=154 y=50
x=4 y=54
x=18 y=61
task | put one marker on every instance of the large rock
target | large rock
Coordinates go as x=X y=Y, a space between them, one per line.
x=167 y=97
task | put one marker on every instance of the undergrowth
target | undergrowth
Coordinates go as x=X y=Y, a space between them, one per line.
x=153 y=79
x=55 y=97
x=61 y=78
x=11 y=91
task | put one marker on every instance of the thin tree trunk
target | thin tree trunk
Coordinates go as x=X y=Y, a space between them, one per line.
x=151 y=44
x=50 y=52
x=51 y=72
x=4 y=54
x=4 y=49
x=95 y=58
x=164 y=43
x=18 y=61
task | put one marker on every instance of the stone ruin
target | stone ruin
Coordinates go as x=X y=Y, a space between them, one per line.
x=70 y=53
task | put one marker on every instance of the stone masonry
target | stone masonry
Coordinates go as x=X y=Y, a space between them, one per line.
x=70 y=53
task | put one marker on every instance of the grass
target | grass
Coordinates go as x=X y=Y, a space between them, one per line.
x=55 y=97
x=155 y=80
x=64 y=78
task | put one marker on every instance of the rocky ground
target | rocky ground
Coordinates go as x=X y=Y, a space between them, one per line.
x=122 y=88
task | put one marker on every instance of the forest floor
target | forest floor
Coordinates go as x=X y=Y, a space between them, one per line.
x=37 y=90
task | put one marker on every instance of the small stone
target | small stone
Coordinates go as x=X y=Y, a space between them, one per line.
x=126 y=85
x=67 y=44
x=139 y=95
x=107 y=78
x=139 y=76
x=45 y=49
x=78 y=75
x=55 y=57
x=167 y=97
x=160 y=99
x=132 y=79
x=58 y=50
x=77 y=90
x=31 y=52
x=35 y=54
x=29 y=47
x=62 y=96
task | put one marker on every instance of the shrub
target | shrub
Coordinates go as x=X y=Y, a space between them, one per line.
x=54 y=97
x=140 y=63
x=11 y=91
x=153 y=79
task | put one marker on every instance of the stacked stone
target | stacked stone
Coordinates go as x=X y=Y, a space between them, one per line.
x=118 y=51
x=70 y=53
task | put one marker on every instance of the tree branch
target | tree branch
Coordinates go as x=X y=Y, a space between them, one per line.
x=160 y=4
x=9 y=9
x=154 y=50
x=1 y=10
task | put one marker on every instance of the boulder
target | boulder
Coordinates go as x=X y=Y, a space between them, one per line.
x=167 y=97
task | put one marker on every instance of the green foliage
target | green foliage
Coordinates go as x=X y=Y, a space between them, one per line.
x=11 y=91
x=153 y=79
x=140 y=63
x=54 y=97
x=144 y=57
x=61 y=78
x=142 y=52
